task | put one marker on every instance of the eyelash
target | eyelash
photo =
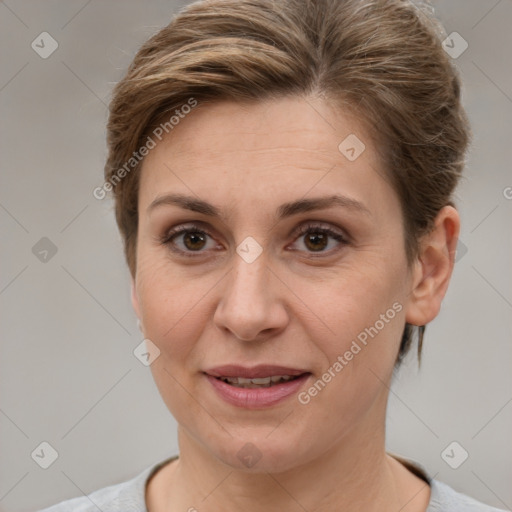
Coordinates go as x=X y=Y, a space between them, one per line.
x=302 y=230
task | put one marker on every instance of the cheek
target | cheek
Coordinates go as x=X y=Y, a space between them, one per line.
x=359 y=349
x=173 y=307
x=362 y=317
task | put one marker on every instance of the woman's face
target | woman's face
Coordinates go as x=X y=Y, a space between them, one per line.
x=252 y=289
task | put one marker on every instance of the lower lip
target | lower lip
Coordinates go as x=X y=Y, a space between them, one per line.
x=256 y=398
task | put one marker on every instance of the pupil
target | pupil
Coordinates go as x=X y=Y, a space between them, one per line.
x=314 y=238
x=194 y=238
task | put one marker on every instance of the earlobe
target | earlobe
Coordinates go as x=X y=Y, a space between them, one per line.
x=434 y=268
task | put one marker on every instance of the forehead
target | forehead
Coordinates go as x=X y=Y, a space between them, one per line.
x=227 y=127
x=271 y=149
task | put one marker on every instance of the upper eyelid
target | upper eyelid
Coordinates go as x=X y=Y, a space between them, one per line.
x=305 y=226
x=198 y=225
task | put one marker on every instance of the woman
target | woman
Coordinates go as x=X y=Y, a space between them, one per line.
x=283 y=175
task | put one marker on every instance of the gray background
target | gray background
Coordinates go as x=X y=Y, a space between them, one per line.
x=68 y=375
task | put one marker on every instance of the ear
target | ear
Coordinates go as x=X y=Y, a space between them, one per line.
x=433 y=268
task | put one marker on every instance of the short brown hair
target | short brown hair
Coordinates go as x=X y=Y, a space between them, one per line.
x=381 y=59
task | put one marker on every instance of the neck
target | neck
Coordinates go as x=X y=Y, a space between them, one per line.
x=354 y=474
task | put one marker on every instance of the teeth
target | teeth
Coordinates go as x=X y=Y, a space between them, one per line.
x=264 y=382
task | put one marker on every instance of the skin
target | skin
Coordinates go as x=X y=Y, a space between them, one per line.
x=291 y=306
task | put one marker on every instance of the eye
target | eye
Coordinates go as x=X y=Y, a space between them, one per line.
x=191 y=240
x=186 y=240
x=315 y=238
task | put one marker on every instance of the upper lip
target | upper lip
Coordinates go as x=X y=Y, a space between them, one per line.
x=254 y=372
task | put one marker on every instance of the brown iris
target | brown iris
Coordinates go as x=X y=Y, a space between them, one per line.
x=194 y=238
x=316 y=238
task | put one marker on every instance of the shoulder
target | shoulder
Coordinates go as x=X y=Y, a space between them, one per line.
x=446 y=499
x=128 y=496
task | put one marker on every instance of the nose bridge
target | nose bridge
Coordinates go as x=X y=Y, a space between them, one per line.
x=249 y=303
x=249 y=280
x=250 y=269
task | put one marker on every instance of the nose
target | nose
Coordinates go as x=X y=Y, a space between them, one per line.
x=252 y=302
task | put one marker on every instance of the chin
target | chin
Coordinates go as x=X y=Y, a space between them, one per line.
x=254 y=454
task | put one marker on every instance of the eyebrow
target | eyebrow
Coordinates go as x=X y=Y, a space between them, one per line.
x=285 y=210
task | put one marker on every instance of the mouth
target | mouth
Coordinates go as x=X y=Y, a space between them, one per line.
x=261 y=376
x=257 y=387
x=261 y=382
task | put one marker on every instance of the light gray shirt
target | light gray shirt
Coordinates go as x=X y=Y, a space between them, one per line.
x=129 y=496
